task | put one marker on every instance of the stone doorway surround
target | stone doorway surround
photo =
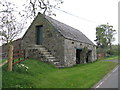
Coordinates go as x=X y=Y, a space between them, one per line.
x=78 y=55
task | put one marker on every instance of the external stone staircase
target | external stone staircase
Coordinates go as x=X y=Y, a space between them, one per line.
x=48 y=57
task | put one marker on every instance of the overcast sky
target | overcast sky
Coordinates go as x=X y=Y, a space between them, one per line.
x=90 y=13
x=86 y=15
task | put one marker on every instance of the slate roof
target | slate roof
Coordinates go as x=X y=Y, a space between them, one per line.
x=69 y=32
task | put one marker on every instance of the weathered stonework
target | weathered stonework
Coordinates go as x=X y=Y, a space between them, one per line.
x=66 y=49
x=70 y=51
x=53 y=40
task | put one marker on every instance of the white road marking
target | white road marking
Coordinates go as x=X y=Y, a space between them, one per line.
x=100 y=84
x=115 y=69
x=103 y=81
x=107 y=77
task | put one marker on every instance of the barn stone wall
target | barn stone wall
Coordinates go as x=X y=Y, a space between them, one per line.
x=52 y=39
x=54 y=42
x=62 y=49
x=70 y=51
x=29 y=38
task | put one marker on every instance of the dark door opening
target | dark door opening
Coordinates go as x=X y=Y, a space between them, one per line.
x=39 y=35
x=88 y=59
x=78 y=54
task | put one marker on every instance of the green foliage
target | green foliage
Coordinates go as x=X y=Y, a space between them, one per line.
x=111 y=58
x=43 y=75
x=114 y=50
x=100 y=36
x=3 y=60
x=105 y=37
x=21 y=68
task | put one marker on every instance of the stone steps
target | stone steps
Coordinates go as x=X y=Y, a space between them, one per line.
x=49 y=57
x=46 y=53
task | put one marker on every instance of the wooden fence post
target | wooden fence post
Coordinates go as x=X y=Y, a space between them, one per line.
x=10 y=57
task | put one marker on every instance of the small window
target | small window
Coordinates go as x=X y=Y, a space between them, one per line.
x=80 y=43
x=72 y=42
x=49 y=34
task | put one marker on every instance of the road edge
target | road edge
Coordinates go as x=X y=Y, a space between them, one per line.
x=105 y=77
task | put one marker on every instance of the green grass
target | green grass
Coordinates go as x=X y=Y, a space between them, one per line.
x=111 y=58
x=3 y=60
x=42 y=75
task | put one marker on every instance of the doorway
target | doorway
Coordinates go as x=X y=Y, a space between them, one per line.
x=78 y=55
x=39 y=35
x=89 y=56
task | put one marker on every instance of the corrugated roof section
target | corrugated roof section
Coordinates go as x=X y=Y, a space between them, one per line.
x=69 y=32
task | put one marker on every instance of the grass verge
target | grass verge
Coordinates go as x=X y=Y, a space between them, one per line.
x=111 y=58
x=2 y=61
x=42 y=75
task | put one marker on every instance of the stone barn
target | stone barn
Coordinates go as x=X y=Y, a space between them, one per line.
x=57 y=43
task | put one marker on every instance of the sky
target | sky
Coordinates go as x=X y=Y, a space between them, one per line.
x=86 y=15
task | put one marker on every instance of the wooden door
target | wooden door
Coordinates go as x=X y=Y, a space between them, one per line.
x=39 y=35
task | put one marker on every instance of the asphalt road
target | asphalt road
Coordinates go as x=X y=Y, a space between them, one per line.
x=111 y=79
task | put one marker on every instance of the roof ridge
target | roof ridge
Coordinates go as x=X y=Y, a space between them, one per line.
x=62 y=23
x=68 y=31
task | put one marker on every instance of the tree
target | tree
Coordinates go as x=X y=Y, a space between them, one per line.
x=36 y=6
x=10 y=28
x=110 y=32
x=105 y=37
x=100 y=36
